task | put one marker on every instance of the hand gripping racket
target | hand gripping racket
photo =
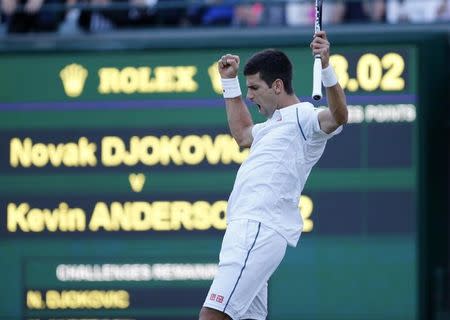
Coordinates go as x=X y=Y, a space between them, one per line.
x=317 y=69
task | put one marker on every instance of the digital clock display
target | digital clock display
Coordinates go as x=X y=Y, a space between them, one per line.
x=371 y=72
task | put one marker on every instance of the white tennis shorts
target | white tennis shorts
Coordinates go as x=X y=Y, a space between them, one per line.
x=250 y=254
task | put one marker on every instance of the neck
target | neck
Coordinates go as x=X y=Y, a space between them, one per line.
x=287 y=101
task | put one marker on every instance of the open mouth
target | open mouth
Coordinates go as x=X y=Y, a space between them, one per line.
x=259 y=107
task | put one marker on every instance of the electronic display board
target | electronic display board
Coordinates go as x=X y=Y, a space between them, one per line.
x=116 y=169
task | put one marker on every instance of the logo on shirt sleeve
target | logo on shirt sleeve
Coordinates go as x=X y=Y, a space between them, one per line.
x=216 y=297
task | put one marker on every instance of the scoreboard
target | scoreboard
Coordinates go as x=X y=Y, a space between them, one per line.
x=116 y=168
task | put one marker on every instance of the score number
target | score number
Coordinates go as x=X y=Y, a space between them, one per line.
x=373 y=72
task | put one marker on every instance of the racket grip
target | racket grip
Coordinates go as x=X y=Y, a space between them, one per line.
x=317 y=79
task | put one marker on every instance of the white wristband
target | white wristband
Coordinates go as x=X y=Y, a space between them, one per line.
x=329 y=78
x=231 y=87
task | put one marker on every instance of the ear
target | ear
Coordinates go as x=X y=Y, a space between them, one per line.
x=278 y=86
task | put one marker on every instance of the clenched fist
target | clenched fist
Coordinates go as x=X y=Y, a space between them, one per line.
x=228 y=66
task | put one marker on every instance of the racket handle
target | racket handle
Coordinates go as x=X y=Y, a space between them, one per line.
x=317 y=78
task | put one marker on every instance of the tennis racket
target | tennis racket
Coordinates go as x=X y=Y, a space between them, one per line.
x=317 y=69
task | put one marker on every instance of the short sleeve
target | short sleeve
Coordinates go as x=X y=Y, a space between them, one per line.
x=317 y=133
x=256 y=128
x=308 y=117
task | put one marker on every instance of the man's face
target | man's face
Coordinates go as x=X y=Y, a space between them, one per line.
x=261 y=94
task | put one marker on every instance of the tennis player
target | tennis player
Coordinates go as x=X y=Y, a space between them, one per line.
x=262 y=214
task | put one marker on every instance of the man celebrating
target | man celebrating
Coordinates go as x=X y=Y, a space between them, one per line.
x=262 y=211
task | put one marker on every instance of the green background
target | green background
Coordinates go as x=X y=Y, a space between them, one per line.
x=359 y=262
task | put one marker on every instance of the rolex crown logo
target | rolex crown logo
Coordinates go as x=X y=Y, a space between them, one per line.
x=73 y=77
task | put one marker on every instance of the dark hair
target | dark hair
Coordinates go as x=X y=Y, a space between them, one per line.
x=271 y=64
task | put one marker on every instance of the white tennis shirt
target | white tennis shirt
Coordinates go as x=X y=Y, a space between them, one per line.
x=270 y=181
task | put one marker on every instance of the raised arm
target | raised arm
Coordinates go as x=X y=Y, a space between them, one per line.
x=336 y=114
x=239 y=118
